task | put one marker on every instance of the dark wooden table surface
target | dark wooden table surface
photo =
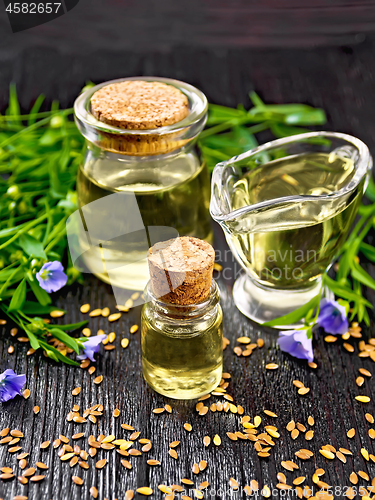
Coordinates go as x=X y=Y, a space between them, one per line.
x=341 y=80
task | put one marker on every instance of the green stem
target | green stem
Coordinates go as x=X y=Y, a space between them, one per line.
x=23 y=230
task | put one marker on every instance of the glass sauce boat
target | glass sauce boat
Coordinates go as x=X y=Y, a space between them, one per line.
x=286 y=209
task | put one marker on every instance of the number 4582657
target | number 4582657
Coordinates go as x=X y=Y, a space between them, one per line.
x=33 y=8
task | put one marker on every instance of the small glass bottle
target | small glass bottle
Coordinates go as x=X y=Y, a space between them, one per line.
x=158 y=167
x=181 y=324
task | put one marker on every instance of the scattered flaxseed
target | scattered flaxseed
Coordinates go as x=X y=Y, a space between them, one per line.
x=270 y=413
x=187 y=427
x=233 y=483
x=341 y=457
x=327 y=454
x=206 y=440
x=348 y=347
x=85 y=308
x=114 y=317
x=144 y=490
x=353 y=478
x=36 y=479
x=14 y=449
x=11 y=349
x=266 y=492
x=94 y=492
x=173 y=453
x=365 y=454
x=106 y=312
x=294 y=434
x=124 y=343
x=26 y=393
x=217 y=440
x=57 y=314
x=22 y=480
x=77 y=480
x=98 y=380
x=272 y=366
x=298 y=384
x=303 y=390
x=129 y=495
x=330 y=338
x=153 y=462
x=41 y=465
x=76 y=391
x=168 y=408
x=309 y=435
x=158 y=410
x=363 y=399
x=7 y=476
x=174 y=444
x=202 y=465
x=291 y=425
x=95 y=312
x=101 y=463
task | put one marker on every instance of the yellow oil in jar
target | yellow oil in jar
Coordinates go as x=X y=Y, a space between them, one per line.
x=174 y=193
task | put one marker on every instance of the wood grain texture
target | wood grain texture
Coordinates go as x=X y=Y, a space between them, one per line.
x=341 y=81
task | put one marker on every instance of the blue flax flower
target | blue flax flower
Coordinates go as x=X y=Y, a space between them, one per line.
x=90 y=347
x=10 y=385
x=296 y=343
x=51 y=277
x=332 y=317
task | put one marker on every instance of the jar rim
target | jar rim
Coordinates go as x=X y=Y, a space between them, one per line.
x=198 y=106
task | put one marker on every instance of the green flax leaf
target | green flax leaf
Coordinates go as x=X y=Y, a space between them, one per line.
x=31 y=246
x=296 y=315
x=19 y=297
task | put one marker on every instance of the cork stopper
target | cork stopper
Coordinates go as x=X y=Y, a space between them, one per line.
x=138 y=105
x=181 y=270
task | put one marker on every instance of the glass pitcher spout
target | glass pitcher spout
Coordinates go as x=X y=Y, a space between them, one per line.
x=286 y=208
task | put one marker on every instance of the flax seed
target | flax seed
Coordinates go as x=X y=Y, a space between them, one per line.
x=202 y=465
x=26 y=393
x=270 y=413
x=217 y=440
x=291 y=425
x=41 y=465
x=272 y=366
x=206 y=440
x=187 y=427
x=144 y=490
x=327 y=454
x=353 y=478
x=303 y=390
x=363 y=399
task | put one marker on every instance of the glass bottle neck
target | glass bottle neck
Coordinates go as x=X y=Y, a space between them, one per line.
x=182 y=312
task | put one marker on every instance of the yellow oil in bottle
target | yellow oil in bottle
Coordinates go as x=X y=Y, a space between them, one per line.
x=182 y=359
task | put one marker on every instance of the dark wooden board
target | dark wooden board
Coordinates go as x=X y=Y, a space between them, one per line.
x=342 y=81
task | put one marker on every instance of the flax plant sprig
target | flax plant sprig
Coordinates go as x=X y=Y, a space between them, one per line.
x=39 y=156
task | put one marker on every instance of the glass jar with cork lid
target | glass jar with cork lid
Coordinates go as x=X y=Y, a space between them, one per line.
x=142 y=180
x=181 y=321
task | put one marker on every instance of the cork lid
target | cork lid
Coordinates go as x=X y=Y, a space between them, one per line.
x=181 y=270
x=139 y=104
